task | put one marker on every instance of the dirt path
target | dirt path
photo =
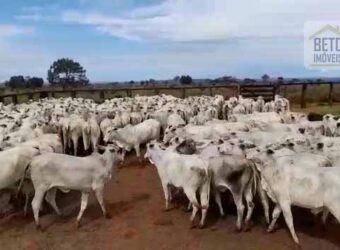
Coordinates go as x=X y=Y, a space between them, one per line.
x=135 y=201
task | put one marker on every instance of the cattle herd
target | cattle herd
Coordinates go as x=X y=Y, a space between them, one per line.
x=199 y=145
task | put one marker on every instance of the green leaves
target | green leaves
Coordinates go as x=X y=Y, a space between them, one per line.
x=67 y=72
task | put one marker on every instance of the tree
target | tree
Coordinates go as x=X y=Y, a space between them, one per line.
x=35 y=82
x=67 y=72
x=185 y=80
x=265 y=78
x=24 y=82
x=16 y=82
x=176 y=79
x=280 y=80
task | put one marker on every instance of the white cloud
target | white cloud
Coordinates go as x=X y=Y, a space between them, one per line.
x=209 y=20
x=8 y=30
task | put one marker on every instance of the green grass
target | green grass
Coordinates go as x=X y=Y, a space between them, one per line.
x=320 y=108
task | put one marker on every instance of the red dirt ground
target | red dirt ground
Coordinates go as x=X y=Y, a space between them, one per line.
x=135 y=201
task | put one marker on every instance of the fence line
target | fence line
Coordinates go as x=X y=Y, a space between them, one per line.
x=266 y=90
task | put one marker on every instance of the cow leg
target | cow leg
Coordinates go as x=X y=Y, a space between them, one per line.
x=334 y=209
x=27 y=197
x=218 y=201
x=50 y=198
x=191 y=194
x=137 y=149
x=240 y=210
x=325 y=213
x=100 y=197
x=75 y=145
x=287 y=213
x=204 y=199
x=265 y=203
x=65 y=141
x=276 y=214
x=166 y=195
x=94 y=144
x=189 y=206
x=83 y=205
x=36 y=204
x=250 y=204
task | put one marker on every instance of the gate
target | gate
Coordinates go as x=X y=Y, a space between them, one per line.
x=253 y=91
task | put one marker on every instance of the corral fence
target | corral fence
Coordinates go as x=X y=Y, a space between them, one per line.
x=299 y=92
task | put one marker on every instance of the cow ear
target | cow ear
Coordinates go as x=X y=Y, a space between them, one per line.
x=270 y=151
x=220 y=141
x=242 y=146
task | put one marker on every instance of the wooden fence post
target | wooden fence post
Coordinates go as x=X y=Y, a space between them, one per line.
x=275 y=91
x=102 y=95
x=285 y=91
x=303 y=95
x=183 y=93
x=15 y=99
x=330 y=96
x=210 y=91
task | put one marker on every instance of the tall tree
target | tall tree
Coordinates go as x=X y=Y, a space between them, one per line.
x=35 y=82
x=280 y=80
x=16 y=82
x=265 y=78
x=67 y=72
x=185 y=80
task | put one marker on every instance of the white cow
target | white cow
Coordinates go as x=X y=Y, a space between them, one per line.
x=51 y=171
x=133 y=136
x=182 y=171
x=308 y=187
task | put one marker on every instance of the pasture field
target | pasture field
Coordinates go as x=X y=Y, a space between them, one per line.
x=321 y=108
x=135 y=201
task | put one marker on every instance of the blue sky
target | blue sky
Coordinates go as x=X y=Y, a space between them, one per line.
x=121 y=40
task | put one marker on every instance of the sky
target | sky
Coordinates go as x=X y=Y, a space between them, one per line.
x=121 y=40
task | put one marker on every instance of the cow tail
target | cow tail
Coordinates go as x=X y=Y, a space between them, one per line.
x=255 y=180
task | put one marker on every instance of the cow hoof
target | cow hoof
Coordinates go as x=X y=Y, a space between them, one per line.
x=192 y=225
x=108 y=216
x=201 y=226
x=246 y=228
x=77 y=224
x=39 y=228
x=297 y=246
